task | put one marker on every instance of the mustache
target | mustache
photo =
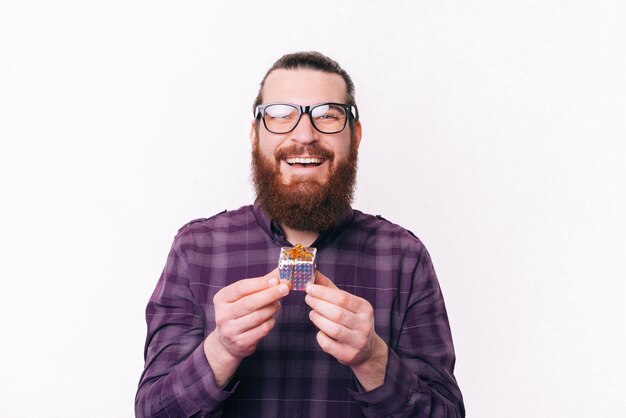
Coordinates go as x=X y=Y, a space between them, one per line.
x=313 y=150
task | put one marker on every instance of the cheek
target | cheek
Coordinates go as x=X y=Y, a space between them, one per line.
x=267 y=151
x=268 y=146
x=343 y=145
x=342 y=153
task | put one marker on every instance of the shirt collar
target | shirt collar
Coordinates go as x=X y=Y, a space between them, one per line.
x=276 y=233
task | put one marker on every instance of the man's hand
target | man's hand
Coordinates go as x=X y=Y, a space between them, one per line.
x=244 y=313
x=346 y=324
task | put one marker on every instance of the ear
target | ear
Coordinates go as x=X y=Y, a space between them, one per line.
x=358 y=132
x=254 y=139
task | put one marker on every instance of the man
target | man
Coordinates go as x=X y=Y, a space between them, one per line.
x=370 y=337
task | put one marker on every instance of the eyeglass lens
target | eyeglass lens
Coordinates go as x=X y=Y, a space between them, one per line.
x=327 y=118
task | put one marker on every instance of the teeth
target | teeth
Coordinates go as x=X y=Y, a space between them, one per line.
x=304 y=160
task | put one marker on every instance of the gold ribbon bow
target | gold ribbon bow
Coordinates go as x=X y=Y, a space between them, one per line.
x=299 y=252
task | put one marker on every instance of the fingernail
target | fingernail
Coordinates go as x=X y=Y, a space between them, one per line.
x=273 y=281
x=307 y=299
x=283 y=289
x=309 y=287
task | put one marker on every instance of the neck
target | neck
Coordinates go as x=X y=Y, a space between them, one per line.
x=304 y=238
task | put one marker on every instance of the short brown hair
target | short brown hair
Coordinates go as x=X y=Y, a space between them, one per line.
x=310 y=60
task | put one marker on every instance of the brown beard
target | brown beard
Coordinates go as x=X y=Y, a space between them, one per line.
x=305 y=204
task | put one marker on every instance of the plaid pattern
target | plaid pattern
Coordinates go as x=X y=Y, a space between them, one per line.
x=289 y=375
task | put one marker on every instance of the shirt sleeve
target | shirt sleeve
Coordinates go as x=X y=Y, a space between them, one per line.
x=177 y=380
x=419 y=379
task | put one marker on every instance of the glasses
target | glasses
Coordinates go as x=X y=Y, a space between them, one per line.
x=328 y=118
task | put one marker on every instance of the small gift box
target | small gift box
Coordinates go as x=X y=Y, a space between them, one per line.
x=297 y=264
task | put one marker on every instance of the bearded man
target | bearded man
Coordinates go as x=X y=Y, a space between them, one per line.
x=370 y=337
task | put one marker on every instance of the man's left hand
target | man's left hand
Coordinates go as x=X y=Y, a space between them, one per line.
x=346 y=324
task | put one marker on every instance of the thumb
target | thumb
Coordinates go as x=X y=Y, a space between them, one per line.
x=323 y=280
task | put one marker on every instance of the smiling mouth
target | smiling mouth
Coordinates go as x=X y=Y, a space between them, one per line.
x=304 y=162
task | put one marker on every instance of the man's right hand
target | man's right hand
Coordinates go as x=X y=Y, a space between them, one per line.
x=244 y=313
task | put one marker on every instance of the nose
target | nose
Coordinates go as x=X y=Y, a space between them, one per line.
x=304 y=132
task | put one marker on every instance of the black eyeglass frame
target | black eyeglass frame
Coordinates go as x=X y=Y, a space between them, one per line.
x=351 y=113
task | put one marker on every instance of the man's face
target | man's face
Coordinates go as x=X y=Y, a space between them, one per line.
x=304 y=87
x=304 y=194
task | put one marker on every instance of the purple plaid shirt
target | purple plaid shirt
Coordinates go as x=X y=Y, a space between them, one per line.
x=289 y=375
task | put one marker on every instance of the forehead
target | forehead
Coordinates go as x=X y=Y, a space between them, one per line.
x=303 y=87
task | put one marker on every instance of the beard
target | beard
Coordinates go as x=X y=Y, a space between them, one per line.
x=305 y=204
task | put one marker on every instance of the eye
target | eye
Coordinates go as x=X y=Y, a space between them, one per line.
x=280 y=111
x=328 y=112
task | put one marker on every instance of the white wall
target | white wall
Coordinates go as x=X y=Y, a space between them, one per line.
x=495 y=130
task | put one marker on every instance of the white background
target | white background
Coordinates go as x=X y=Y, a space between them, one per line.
x=494 y=130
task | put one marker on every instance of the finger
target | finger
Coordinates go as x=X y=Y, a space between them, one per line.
x=258 y=300
x=338 y=297
x=328 y=345
x=245 y=287
x=252 y=320
x=334 y=313
x=323 y=280
x=334 y=330
x=244 y=344
x=344 y=353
